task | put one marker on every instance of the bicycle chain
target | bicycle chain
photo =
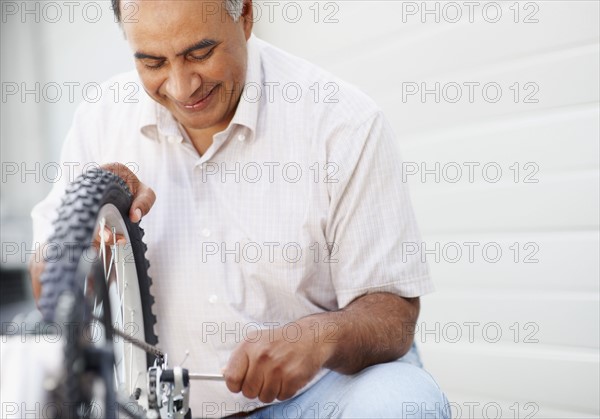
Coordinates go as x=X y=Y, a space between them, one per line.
x=136 y=342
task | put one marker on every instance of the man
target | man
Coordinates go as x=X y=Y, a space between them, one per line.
x=275 y=235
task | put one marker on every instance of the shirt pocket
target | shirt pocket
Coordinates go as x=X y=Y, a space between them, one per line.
x=270 y=281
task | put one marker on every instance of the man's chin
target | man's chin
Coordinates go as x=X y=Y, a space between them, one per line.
x=194 y=122
x=202 y=120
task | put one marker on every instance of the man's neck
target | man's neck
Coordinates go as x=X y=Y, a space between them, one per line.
x=202 y=139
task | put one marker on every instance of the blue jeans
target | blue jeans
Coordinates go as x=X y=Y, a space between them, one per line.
x=398 y=389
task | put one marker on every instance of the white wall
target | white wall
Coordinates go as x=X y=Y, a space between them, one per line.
x=52 y=49
x=546 y=361
x=383 y=48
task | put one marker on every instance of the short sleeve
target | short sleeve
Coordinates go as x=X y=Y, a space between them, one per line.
x=372 y=231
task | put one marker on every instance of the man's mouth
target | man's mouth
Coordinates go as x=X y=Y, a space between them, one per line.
x=199 y=103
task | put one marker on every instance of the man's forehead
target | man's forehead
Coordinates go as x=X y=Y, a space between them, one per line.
x=176 y=22
x=206 y=7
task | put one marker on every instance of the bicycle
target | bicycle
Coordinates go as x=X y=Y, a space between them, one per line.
x=100 y=289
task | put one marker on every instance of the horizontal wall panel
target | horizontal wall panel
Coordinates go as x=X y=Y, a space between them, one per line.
x=551 y=261
x=399 y=44
x=556 y=140
x=566 y=380
x=559 y=55
x=435 y=49
x=564 y=78
x=555 y=203
x=520 y=319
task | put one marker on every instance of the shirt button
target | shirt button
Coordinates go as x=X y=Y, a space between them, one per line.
x=241 y=137
x=212 y=299
x=206 y=232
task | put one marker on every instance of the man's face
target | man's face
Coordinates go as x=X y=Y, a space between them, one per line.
x=191 y=57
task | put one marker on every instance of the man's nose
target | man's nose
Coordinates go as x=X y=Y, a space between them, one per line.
x=182 y=83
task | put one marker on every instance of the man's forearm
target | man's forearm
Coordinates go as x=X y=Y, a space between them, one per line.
x=374 y=328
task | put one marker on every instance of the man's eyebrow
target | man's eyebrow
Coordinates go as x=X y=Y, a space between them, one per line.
x=141 y=56
x=205 y=43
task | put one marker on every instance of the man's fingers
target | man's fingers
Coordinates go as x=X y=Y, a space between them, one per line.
x=107 y=235
x=142 y=202
x=289 y=388
x=253 y=382
x=119 y=169
x=271 y=387
x=135 y=214
x=109 y=238
x=143 y=196
x=235 y=371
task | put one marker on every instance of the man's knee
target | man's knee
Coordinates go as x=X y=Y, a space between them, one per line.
x=395 y=389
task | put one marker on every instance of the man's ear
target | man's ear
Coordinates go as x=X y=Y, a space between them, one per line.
x=248 y=17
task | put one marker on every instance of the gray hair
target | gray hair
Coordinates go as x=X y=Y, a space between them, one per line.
x=233 y=7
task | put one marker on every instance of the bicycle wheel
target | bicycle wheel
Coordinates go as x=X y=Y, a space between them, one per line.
x=96 y=200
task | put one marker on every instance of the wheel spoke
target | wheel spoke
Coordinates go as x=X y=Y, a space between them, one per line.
x=103 y=243
x=110 y=264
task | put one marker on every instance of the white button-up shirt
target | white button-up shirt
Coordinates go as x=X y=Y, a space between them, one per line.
x=298 y=207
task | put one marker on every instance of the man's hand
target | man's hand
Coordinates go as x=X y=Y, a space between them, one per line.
x=143 y=199
x=276 y=363
x=273 y=364
x=143 y=196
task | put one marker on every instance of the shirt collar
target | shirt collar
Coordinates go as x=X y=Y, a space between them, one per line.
x=246 y=113
x=157 y=123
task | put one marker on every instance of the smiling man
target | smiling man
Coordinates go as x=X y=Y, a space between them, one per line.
x=277 y=225
x=190 y=62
